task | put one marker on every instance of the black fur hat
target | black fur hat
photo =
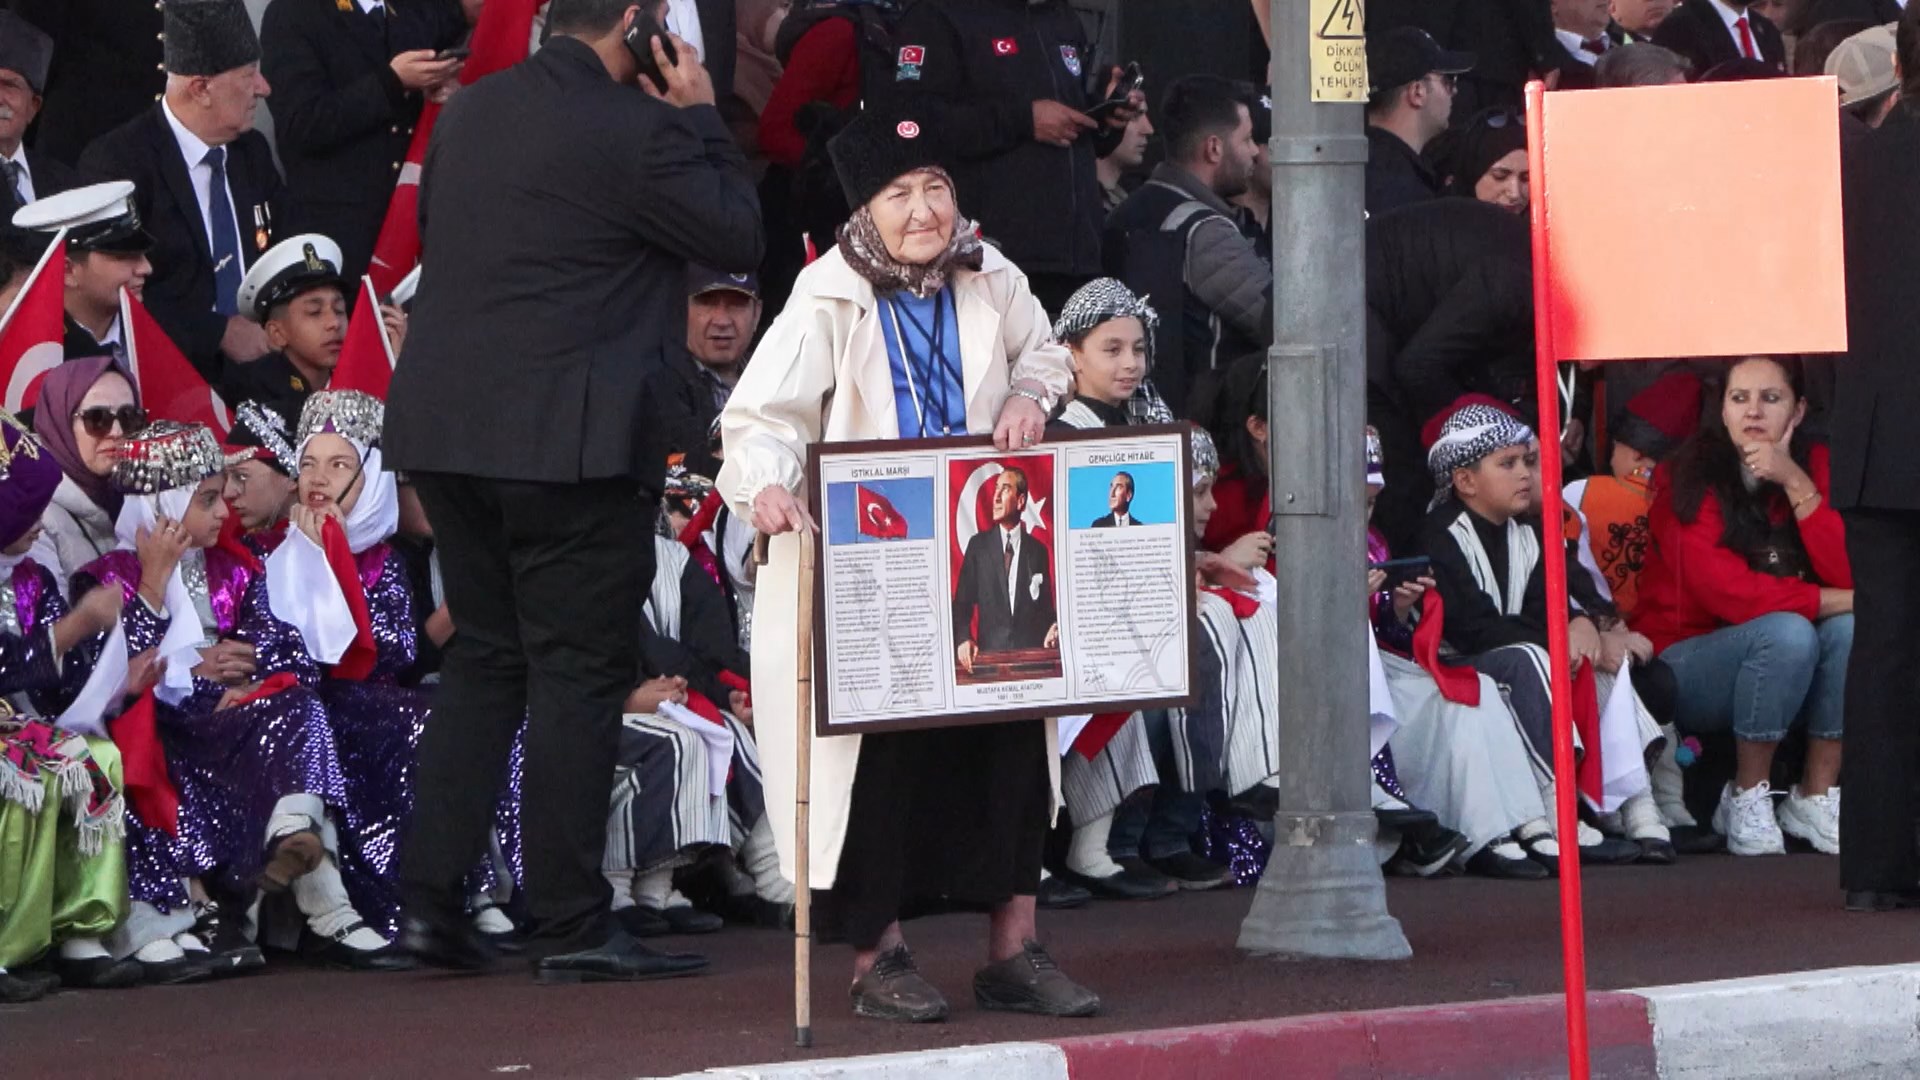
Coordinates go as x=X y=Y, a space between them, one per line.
x=208 y=37
x=25 y=49
x=878 y=147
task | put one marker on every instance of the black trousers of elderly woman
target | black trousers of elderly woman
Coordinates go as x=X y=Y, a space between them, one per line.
x=544 y=582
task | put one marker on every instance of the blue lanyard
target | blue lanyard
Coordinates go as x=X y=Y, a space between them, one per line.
x=934 y=370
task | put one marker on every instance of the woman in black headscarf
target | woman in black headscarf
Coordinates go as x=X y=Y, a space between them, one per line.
x=1487 y=159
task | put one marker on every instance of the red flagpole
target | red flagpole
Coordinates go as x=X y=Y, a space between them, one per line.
x=1573 y=952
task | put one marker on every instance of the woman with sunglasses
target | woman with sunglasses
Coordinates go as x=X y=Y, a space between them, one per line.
x=87 y=408
x=359 y=625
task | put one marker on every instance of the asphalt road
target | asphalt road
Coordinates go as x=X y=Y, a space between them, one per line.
x=1162 y=963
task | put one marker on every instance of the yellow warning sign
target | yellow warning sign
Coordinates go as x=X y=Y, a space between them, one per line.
x=1338 y=39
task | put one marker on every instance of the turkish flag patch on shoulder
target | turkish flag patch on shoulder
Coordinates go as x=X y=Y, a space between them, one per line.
x=1006 y=46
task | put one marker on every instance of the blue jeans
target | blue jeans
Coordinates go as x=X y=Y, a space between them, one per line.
x=1764 y=677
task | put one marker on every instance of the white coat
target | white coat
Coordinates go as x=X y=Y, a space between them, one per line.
x=822 y=375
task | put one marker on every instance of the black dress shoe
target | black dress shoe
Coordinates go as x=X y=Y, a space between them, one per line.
x=1126 y=885
x=336 y=953
x=1488 y=863
x=620 y=959
x=1426 y=850
x=18 y=988
x=1189 y=871
x=96 y=973
x=687 y=919
x=1697 y=840
x=1657 y=852
x=1874 y=900
x=232 y=953
x=1403 y=818
x=193 y=967
x=1059 y=894
x=642 y=921
x=1610 y=851
x=442 y=942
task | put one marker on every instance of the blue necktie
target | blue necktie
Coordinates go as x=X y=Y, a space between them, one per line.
x=227 y=267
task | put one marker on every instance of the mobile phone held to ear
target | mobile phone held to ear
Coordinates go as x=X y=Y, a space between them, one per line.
x=640 y=43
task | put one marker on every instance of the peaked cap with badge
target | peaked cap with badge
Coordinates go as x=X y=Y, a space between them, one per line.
x=99 y=217
x=288 y=269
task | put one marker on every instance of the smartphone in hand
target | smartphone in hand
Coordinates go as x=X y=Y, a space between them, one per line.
x=639 y=41
x=1402 y=571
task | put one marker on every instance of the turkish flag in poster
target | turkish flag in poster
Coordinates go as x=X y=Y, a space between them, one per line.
x=878 y=518
x=33 y=333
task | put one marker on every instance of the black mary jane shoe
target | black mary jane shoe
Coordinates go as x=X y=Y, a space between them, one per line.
x=619 y=959
x=231 y=953
x=20 y=987
x=192 y=967
x=449 y=943
x=1058 y=894
x=334 y=952
x=1489 y=863
x=1657 y=852
x=96 y=973
x=1140 y=884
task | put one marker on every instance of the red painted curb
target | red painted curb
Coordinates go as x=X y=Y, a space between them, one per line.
x=1523 y=1037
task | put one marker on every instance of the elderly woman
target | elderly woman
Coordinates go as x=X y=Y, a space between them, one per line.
x=87 y=408
x=908 y=328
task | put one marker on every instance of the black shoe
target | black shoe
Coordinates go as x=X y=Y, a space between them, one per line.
x=1488 y=863
x=687 y=919
x=1059 y=894
x=1698 y=840
x=1610 y=851
x=443 y=942
x=18 y=988
x=1191 y=872
x=1875 y=900
x=232 y=953
x=893 y=990
x=1657 y=852
x=1144 y=884
x=1427 y=851
x=620 y=959
x=642 y=921
x=336 y=953
x=192 y=967
x=1403 y=818
x=96 y=973
x=1030 y=982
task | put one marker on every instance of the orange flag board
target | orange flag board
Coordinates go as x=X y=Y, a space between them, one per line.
x=1699 y=220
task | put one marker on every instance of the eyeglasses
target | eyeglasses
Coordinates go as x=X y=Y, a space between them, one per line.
x=1500 y=118
x=1451 y=82
x=100 y=420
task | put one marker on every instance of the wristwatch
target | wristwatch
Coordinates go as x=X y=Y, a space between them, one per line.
x=1037 y=399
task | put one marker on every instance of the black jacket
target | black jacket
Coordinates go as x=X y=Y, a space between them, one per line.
x=341 y=119
x=680 y=395
x=106 y=68
x=1696 y=31
x=181 y=291
x=1396 y=174
x=1876 y=444
x=523 y=366
x=708 y=644
x=986 y=63
x=1474 y=624
x=49 y=176
x=983 y=587
x=719 y=29
x=1450 y=304
x=1877 y=12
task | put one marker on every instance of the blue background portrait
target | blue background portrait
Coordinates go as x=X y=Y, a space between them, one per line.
x=1152 y=493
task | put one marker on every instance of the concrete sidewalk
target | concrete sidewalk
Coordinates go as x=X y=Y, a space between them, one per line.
x=1853 y=1022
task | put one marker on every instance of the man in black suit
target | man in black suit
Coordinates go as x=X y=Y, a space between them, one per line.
x=1007 y=577
x=519 y=411
x=107 y=69
x=1119 y=503
x=25 y=175
x=1711 y=32
x=350 y=87
x=205 y=182
x=1876 y=487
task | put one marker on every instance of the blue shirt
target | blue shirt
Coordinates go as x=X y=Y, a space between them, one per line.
x=928 y=394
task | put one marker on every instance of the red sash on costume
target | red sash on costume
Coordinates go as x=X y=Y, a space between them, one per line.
x=1458 y=684
x=230 y=532
x=1591 y=774
x=1098 y=733
x=357 y=662
x=143 y=766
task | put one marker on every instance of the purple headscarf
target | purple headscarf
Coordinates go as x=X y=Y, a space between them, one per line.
x=28 y=475
x=60 y=396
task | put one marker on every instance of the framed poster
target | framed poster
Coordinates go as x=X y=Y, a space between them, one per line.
x=960 y=584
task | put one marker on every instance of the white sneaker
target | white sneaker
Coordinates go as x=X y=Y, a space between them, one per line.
x=1813 y=818
x=1746 y=819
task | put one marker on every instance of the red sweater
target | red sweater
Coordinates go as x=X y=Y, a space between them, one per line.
x=1241 y=506
x=825 y=66
x=1693 y=585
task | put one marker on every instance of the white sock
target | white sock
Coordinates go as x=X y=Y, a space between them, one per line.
x=82 y=948
x=622 y=882
x=322 y=897
x=1087 y=854
x=762 y=860
x=159 y=952
x=189 y=943
x=652 y=888
x=286 y=824
x=674 y=900
x=491 y=920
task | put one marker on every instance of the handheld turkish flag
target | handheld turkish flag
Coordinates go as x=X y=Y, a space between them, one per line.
x=143 y=766
x=33 y=332
x=366 y=358
x=878 y=518
x=170 y=388
x=499 y=42
x=1733 y=247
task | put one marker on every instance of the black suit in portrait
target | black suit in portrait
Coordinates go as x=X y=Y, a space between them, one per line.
x=983 y=587
x=1696 y=31
x=341 y=119
x=47 y=174
x=1876 y=486
x=106 y=68
x=558 y=211
x=181 y=291
x=1109 y=522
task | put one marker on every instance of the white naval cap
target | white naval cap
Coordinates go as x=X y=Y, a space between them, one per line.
x=98 y=217
x=290 y=267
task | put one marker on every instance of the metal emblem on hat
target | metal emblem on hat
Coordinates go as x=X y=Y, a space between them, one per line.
x=313 y=260
x=267 y=426
x=166 y=456
x=738 y=279
x=907 y=129
x=351 y=414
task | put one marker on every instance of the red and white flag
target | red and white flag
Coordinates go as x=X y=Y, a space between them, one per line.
x=366 y=358
x=878 y=518
x=33 y=332
x=499 y=42
x=170 y=388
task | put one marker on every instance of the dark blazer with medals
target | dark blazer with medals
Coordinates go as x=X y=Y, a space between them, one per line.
x=523 y=366
x=180 y=294
x=106 y=68
x=983 y=586
x=341 y=119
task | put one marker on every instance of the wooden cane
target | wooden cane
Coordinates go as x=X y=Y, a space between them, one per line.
x=802 y=797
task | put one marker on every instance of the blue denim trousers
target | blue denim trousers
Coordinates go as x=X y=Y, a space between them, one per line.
x=1763 y=677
